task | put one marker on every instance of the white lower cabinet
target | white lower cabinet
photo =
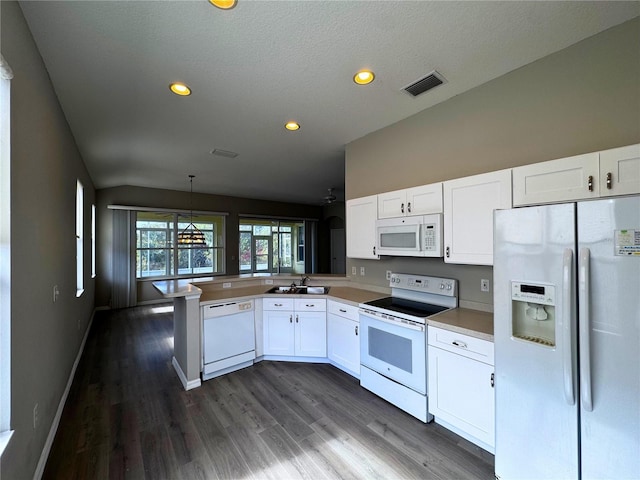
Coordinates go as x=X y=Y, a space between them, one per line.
x=343 y=337
x=295 y=327
x=461 y=393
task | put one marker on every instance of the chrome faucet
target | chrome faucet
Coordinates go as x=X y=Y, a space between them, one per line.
x=304 y=279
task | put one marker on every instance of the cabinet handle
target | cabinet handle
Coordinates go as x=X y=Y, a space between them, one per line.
x=297 y=319
x=590 y=183
x=290 y=318
x=492 y=380
x=448 y=252
x=609 y=178
x=343 y=310
x=310 y=305
x=277 y=304
x=402 y=207
x=374 y=249
x=460 y=344
x=409 y=207
x=356 y=330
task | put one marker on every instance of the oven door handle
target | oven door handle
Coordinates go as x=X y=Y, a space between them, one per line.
x=409 y=325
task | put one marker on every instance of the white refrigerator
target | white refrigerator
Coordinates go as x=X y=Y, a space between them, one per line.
x=567 y=340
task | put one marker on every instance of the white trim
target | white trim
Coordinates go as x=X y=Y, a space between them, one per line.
x=5 y=69
x=164 y=210
x=5 y=256
x=188 y=385
x=56 y=420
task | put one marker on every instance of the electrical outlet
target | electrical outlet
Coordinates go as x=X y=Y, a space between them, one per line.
x=36 y=420
x=226 y=285
x=268 y=282
x=354 y=271
x=362 y=271
x=388 y=275
x=484 y=285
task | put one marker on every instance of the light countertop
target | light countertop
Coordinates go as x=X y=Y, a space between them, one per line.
x=474 y=323
x=464 y=320
x=350 y=295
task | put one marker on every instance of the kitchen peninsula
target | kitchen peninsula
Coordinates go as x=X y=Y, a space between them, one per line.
x=189 y=294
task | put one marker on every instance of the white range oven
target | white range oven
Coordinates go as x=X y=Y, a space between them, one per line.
x=393 y=339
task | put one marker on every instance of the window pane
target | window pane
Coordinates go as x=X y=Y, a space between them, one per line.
x=262 y=230
x=245 y=251
x=155 y=262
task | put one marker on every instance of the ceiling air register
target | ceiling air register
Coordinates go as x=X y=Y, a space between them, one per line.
x=418 y=87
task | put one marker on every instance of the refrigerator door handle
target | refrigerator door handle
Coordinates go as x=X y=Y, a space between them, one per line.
x=567 y=347
x=585 y=328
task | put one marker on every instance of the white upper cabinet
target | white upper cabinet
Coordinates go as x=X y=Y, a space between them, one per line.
x=469 y=203
x=362 y=214
x=620 y=171
x=560 y=180
x=421 y=200
x=592 y=175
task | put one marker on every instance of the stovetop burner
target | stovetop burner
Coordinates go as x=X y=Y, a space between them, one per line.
x=408 y=307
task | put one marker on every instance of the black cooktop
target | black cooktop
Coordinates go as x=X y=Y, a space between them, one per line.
x=408 y=307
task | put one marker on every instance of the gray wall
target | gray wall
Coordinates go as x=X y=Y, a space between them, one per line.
x=582 y=99
x=45 y=336
x=171 y=199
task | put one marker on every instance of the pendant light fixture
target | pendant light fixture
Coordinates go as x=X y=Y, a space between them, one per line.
x=191 y=235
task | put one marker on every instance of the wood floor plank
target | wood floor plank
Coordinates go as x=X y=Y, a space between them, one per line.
x=128 y=417
x=295 y=461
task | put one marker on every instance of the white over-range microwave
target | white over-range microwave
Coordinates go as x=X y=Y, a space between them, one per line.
x=419 y=236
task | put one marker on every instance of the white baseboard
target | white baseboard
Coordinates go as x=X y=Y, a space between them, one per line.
x=56 y=420
x=188 y=385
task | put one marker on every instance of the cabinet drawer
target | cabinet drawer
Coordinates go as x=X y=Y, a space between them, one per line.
x=470 y=347
x=310 y=305
x=343 y=310
x=277 y=304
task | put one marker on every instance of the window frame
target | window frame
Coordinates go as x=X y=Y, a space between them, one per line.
x=172 y=249
x=79 y=238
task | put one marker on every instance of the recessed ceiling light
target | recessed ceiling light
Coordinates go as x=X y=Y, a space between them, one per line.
x=180 y=89
x=223 y=4
x=364 y=77
x=292 y=126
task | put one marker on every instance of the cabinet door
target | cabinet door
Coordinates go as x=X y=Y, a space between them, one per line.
x=311 y=334
x=343 y=342
x=392 y=204
x=278 y=332
x=424 y=200
x=362 y=214
x=461 y=394
x=565 y=179
x=620 y=171
x=469 y=203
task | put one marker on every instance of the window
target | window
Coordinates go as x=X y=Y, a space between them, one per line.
x=93 y=241
x=5 y=256
x=267 y=246
x=79 y=239
x=158 y=256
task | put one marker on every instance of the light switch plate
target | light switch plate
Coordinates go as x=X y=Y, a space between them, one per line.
x=353 y=271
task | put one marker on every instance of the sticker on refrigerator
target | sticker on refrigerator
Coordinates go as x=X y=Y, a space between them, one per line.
x=627 y=242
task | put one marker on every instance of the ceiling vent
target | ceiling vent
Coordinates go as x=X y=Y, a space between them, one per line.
x=426 y=83
x=223 y=153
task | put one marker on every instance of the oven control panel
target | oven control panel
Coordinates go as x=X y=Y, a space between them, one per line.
x=423 y=283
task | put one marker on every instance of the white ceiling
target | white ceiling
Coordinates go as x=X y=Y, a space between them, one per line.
x=263 y=63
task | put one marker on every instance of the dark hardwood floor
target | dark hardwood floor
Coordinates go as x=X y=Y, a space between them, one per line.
x=127 y=416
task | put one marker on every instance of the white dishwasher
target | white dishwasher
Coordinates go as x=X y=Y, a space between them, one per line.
x=228 y=338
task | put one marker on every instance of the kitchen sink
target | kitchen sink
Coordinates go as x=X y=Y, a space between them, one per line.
x=300 y=290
